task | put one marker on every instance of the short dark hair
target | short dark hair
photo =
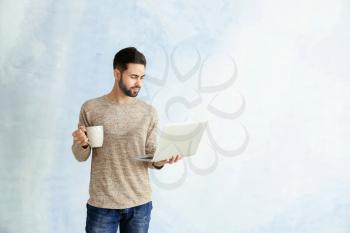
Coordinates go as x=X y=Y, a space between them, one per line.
x=128 y=55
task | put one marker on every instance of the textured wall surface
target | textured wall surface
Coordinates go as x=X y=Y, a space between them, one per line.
x=272 y=78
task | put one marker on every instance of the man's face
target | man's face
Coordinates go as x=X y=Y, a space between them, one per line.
x=130 y=81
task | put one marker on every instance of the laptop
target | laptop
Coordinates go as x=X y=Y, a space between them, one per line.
x=177 y=138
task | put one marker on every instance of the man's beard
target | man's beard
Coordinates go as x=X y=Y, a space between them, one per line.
x=132 y=92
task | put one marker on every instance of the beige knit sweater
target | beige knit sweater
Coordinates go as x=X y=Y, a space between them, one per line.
x=117 y=181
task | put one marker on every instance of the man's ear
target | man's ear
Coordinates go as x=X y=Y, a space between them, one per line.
x=116 y=74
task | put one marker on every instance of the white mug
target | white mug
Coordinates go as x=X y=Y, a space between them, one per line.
x=95 y=136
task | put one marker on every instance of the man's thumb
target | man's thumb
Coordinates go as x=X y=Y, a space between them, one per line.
x=82 y=128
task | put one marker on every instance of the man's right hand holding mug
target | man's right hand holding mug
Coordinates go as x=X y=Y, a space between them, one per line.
x=80 y=138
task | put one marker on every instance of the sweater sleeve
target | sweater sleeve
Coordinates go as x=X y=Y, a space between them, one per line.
x=151 y=140
x=79 y=152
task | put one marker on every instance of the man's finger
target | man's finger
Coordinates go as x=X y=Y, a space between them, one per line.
x=172 y=159
x=163 y=161
x=82 y=128
x=178 y=157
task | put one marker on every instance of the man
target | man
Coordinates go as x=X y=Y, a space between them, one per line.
x=120 y=191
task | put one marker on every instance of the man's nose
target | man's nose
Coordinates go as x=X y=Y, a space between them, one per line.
x=139 y=82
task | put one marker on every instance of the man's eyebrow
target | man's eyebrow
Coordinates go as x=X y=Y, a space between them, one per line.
x=138 y=75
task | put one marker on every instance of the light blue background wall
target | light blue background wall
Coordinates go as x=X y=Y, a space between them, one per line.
x=285 y=118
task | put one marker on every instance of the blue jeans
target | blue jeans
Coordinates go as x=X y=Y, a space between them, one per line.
x=130 y=220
